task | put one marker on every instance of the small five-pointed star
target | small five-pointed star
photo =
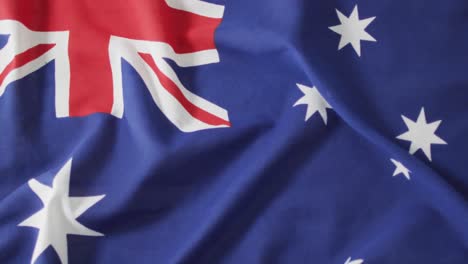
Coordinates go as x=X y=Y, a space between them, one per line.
x=314 y=101
x=357 y=261
x=421 y=134
x=353 y=30
x=58 y=217
x=400 y=169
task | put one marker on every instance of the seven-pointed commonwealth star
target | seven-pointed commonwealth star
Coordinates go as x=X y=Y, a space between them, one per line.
x=353 y=30
x=58 y=217
x=314 y=101
x=421 y=134
x=400 y=169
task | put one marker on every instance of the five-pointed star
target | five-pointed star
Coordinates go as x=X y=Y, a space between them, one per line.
x=421 y=134
x=353 y=30
x=58 y=217
x=400 y=169
x=314 y=101
x=357 y=261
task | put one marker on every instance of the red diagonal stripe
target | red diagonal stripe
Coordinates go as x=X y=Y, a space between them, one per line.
x=24 y=58
x=172 y=88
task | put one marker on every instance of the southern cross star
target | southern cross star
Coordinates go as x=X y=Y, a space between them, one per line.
x=353 y=30
x=314 y=101
x=421 y=134
x=357 y=261
x=58 y=217
x=400 y=169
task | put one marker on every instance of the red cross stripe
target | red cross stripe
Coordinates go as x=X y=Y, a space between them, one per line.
x=88 y=38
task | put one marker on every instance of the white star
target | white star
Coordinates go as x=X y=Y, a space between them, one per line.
x=357 y=261
x=314 y=101
x=421 y=134
x=353 y=30
x=58 y=217
x=400 y=169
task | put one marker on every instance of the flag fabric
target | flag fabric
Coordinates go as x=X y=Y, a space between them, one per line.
x=267 y=131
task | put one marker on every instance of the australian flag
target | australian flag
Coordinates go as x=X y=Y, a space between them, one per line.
x=213 y=131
